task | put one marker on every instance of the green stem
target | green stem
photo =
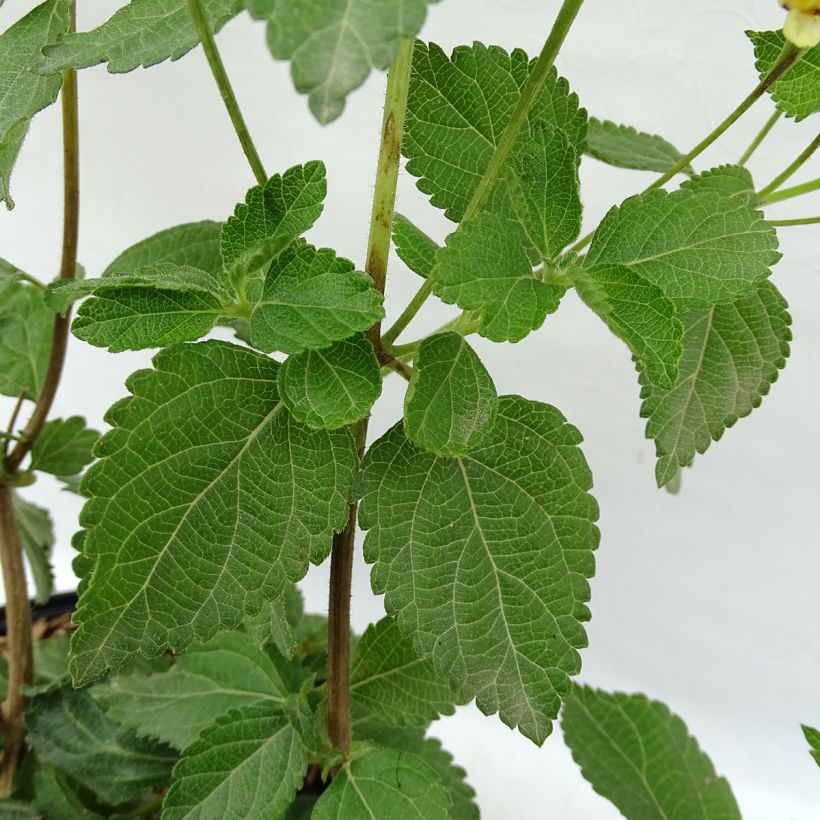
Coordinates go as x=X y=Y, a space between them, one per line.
x=803 y=220
x=226 y=90
x=787 y=172
x=529 y=93
x=762 y=134
x=789 y=193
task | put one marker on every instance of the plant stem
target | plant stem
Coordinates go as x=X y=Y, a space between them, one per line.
x=788 y=193
x=802 y=157
x=529 y=93
x=10 y=436
x=761 y=135
x=226 y=90
x=803 y=220
x=378 y=250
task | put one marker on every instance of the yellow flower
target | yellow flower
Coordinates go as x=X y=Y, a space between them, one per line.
x=802 y=23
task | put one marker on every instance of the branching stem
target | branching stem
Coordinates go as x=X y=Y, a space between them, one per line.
x=761 y=135
x=766 y=193
x=789 y=193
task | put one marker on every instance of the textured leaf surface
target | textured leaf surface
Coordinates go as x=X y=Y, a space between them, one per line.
x=484 y=559
x=204 y=683
x=276 y=621
x=56 y=796
x=331 y=387
x=37 y=539
x=485 y=267
x=625 y=147
x=731 y=356
x=457 y=109
x=413 y=246
x=700 y=248
x=390 y=680
x=312 y=298
x=451 y=400
x=70 y=731
x=22 y=92
x=637 y=312
x=64 y=447
x=249 y=764
x=141 y=33
x=18 y=810
x=272 y=216
x=384 y=783
x=797 y=92
x=729 y=180
x=813 y=738
x=333 y=44
x=216 y=496
x=640 y=756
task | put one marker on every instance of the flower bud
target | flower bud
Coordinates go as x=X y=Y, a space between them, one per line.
x=802 y=23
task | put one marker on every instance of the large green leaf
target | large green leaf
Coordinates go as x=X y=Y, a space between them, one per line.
x=639 y=755
x=699 y=247
x=333 y=44
x=731 y=356
x=451 y=401
x=63 y=447
x=37 y=539
x=485 y=558
x=141 y=33
x=459 y=106
x=24 y=93
x=216 y=496
x=625 y=147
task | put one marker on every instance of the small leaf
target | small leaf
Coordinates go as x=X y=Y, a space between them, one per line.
x=64 y=446
x=625 y=147
x=485 y=267
x=248 y=764
x=451 y=401
x=413 y=246
x=384 y=783
x=68 y=730
x=276 y=621
x=332 y=387
x=271 y=217
x=23 y=92
x=700 y=248
x=484 y=559
x=312 y=298
x=729 y=180
x=37 y=539
x=797 y=92
x=637 y=312
x=813 y=738
x=141 y=33
x=640 y=756
x=731 y=356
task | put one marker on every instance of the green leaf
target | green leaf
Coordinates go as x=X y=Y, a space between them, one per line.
x=312 y=298
x=484 y=559
x=485 y=267
x=276 y=621
x=26 y=327
x=18 y=810
x=272 y=216
x=637 y=312
x=625 y=147
x=249 y=764
x=56 y=796
x=390 y=680
x=413 y=246
x=51 y=661
x=451 y=401
x=640 y=756
x=700 y=248
x=333 y=44
x=813 y=738
x=332 y=387
x=67 y=729
x=731 y=356
x=23 y=92
x=457 y=109
x=797 y=92
x=729 y=180
x=141 y=33
x=37 y=539
x=64 y=446
x=384 y=783
x=207 y=681
x=214 y=492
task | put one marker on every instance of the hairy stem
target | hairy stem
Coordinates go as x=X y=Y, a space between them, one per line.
x=803 y=156
x=761 y=135
x=789 y=193
x=803 y=220
x=378 y=249
x=226 y=90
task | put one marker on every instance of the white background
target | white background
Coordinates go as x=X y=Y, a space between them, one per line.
x=708 y=600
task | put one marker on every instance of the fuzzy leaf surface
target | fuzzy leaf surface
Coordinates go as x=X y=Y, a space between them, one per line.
x=451 y=401
x=731 y=356
x=700 y=248
x=332 y=387
x=413 y=246
x=485 y=267
x=64 y=447
x=37 y=539
x=485 y=558
x=728 y=180
x=625 y=147
x=641 y=757
x=141 y=33
x=312 y=298
x=214 y=492
x=57 y=797
x=276 y=621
